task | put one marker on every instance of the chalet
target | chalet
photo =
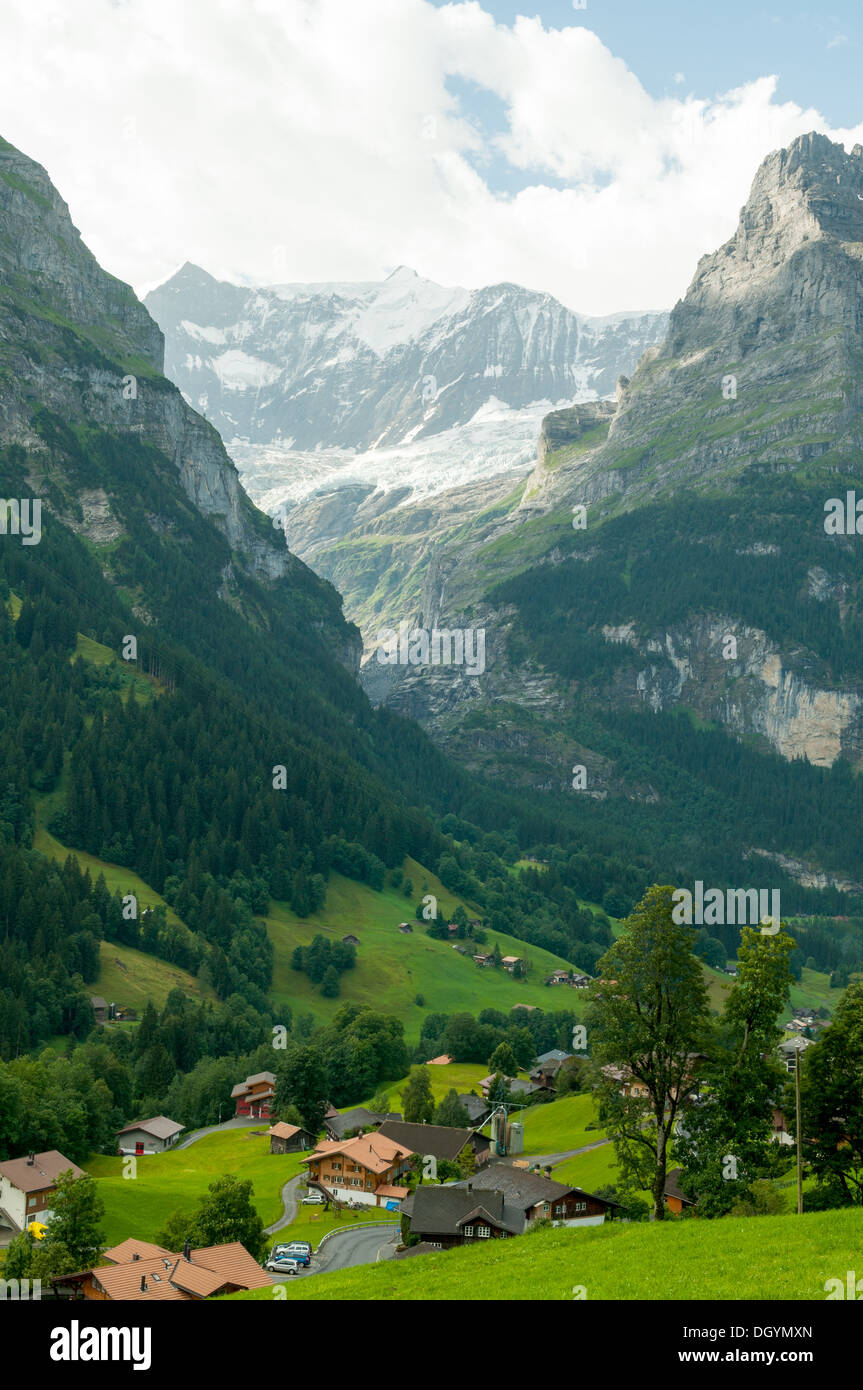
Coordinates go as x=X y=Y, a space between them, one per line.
x=536 y=1196
x=483 y=959
x=27 y=1187
x=365 y=1169
x=152 y=1136
x=515 y=1085
x=581 y=982
x=351 y=940
x=139 y=1271
x=101 y=1008
x=454 y=1215
x=544 y=1073
x=452 y=928
x=558 y=977
x=478 y=1110
x=356 y=1121
x=288 y=1139
x=405 y=928
x=628 y=1085
x=510 y=962
x=675 y=1198
x=254 y=1096
x=441 y=1141
x=443 y=1060
x=790 y=1049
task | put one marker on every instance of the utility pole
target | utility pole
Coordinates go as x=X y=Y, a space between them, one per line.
x=799 y=1135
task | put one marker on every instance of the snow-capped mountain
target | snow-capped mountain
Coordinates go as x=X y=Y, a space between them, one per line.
x=381 y=366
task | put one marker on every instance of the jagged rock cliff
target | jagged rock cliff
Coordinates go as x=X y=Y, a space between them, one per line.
x=75 y=344
x=760 y=364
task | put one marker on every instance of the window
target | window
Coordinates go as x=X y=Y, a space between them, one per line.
x=560 y=1210
x=483 y=1232
x=31 y=1201
x=546 y=1206
x=468 y=1230
x=581 y=1206
x=336 y=1167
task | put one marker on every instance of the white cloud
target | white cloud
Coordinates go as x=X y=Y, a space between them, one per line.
x=317 y=139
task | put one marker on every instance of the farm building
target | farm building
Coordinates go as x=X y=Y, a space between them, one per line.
x=288 y=1139
x=149 y=1136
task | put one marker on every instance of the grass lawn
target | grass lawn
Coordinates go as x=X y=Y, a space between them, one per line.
x=392 y=969
x=774 y=1257
x=459 y=1076
x=175 y=1181
x=561 y=1124
x=589 y=1171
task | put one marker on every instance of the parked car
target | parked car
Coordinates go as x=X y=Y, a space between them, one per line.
x=313 y=1199
x=282 y=1265
x=298 y=1253
x=287 y=1247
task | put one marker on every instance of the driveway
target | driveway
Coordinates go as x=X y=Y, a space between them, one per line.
x=289 y=1206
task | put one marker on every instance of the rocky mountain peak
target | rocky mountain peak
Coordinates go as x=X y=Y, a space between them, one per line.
x=42 y=255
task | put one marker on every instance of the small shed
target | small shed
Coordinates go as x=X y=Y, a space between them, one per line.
x=288 y=1139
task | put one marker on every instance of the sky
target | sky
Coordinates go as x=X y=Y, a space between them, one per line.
x=593 y=151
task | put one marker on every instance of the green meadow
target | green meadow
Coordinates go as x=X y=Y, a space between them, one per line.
x=393 y=969
x=764 y=1257
x=176 y=1180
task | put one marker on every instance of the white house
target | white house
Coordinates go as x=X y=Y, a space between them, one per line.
x=27 y=1186
x=149 y=1136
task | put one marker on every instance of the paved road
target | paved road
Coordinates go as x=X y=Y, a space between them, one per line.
x=543 y=1159
x=289 y=1206
x=237 y=1122
x=363 y=1245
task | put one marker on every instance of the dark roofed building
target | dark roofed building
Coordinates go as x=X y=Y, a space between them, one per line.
x=442 y=1141
x=478 y=1109
x=358 y=1121
x=537 y=1196
x=460 y=1214
x=675 y=1198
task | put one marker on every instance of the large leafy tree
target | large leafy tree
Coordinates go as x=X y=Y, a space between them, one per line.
x=417 y=1100
x=303 y=1081
x=74 y=1239
x=725 y=1142
x=451 y=1112
x=225 y=1213
x=831 y=1084
x=648 y=1023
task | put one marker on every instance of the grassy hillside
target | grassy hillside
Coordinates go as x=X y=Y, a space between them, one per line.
x=174 y=1181
x=131 y=977
x=785 y=1257
x=392 y=969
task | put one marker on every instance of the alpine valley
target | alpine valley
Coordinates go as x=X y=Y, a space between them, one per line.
x=186 y=723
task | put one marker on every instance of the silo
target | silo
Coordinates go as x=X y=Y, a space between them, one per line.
x=515 y=1138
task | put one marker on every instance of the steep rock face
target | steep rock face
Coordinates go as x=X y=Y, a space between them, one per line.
x=759 y=365
x=75 y=343
x=758 y=689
